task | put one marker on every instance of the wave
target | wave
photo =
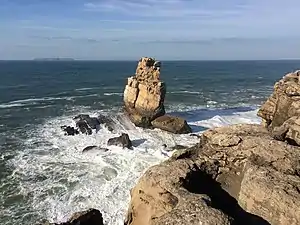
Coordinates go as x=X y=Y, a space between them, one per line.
x=7 y=105
x=113 y=93
x=33 y=101
x=86 y=89
x=185 y=92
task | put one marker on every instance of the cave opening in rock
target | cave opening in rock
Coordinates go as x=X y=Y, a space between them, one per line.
x=200 y=182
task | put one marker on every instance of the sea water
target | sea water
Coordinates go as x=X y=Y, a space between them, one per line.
x=45 y=175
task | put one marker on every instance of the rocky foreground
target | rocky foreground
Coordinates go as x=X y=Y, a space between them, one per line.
x=241 y=174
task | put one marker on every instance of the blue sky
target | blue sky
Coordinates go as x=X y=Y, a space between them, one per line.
x=165 y=29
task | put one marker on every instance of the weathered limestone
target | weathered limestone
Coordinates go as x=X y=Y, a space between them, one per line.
x=144 y=97
x=236 y=175
x=283 y=104
x=144 y=93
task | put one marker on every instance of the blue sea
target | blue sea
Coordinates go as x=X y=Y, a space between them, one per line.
x=45 y=175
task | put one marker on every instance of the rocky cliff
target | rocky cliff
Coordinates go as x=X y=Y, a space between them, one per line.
x=236 y=175
x=281 y=112
x=241 y=174
x=144 y=97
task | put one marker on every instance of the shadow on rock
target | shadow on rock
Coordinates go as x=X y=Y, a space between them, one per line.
x=199 y=182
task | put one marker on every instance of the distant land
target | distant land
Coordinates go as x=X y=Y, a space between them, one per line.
x=54 y=59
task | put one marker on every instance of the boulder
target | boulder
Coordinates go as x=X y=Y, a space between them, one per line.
x=89 y=217
x=282 y=105
x=235 y=175
x=70 y=131
x=84 y=127
x=122 y=141
x=172 y=124
x=92 y=122
x=144 y=93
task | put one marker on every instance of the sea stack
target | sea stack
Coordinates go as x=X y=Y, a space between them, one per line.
x=144 y=97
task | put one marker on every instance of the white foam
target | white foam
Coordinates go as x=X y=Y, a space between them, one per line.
x=235 y=118
x=63 y=180
x=8 y=105
x=74 y=181
x=113 y=93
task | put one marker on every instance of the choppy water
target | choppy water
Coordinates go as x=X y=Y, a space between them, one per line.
x=44 y=174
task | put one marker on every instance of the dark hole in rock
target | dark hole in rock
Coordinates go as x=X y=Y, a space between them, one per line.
x=199 y=182
x=291 y=142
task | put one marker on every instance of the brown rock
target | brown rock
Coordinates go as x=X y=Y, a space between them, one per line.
x=282 y=104
x=144 y=93
x=172 y=124
x=89 y=217
x=252 y=179
x=144 y=97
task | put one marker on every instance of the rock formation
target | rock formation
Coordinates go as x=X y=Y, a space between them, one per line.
x=144 y=97
x=144 y=93
x=89 y=217
x=280 y=113
x=122 y=141
x=236 y=175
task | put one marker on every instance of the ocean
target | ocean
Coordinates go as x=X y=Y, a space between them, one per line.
x=45 y=175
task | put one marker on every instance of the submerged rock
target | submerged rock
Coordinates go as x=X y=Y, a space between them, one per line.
x=122 y=141
x=235 y=175
x=89 y=217
x=144 y=96
x=94 y=147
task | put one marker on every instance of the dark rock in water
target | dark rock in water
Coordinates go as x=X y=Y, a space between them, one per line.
x=122 y=141
x=87 y=123
x=94 y=147
x=89 y=217
x=92 y=122
x=70 y=131
x=108 y=122
x=83 y=127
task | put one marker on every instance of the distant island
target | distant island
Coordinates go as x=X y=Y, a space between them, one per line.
x=54 y=59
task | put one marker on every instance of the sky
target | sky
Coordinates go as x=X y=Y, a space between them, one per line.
x=165 y=29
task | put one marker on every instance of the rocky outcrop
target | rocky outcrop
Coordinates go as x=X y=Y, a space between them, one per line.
x=122 y=141
x=144 y=93
x=283 y=104
x=236 y=175
x=144 y=97
x=89 y=217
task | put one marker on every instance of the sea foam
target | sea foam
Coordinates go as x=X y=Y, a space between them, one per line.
x=63 y=180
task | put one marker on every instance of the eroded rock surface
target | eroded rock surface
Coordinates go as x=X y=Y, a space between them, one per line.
x=145 y=93
x=144 y=97
x=283 y=104
x=236 y=175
